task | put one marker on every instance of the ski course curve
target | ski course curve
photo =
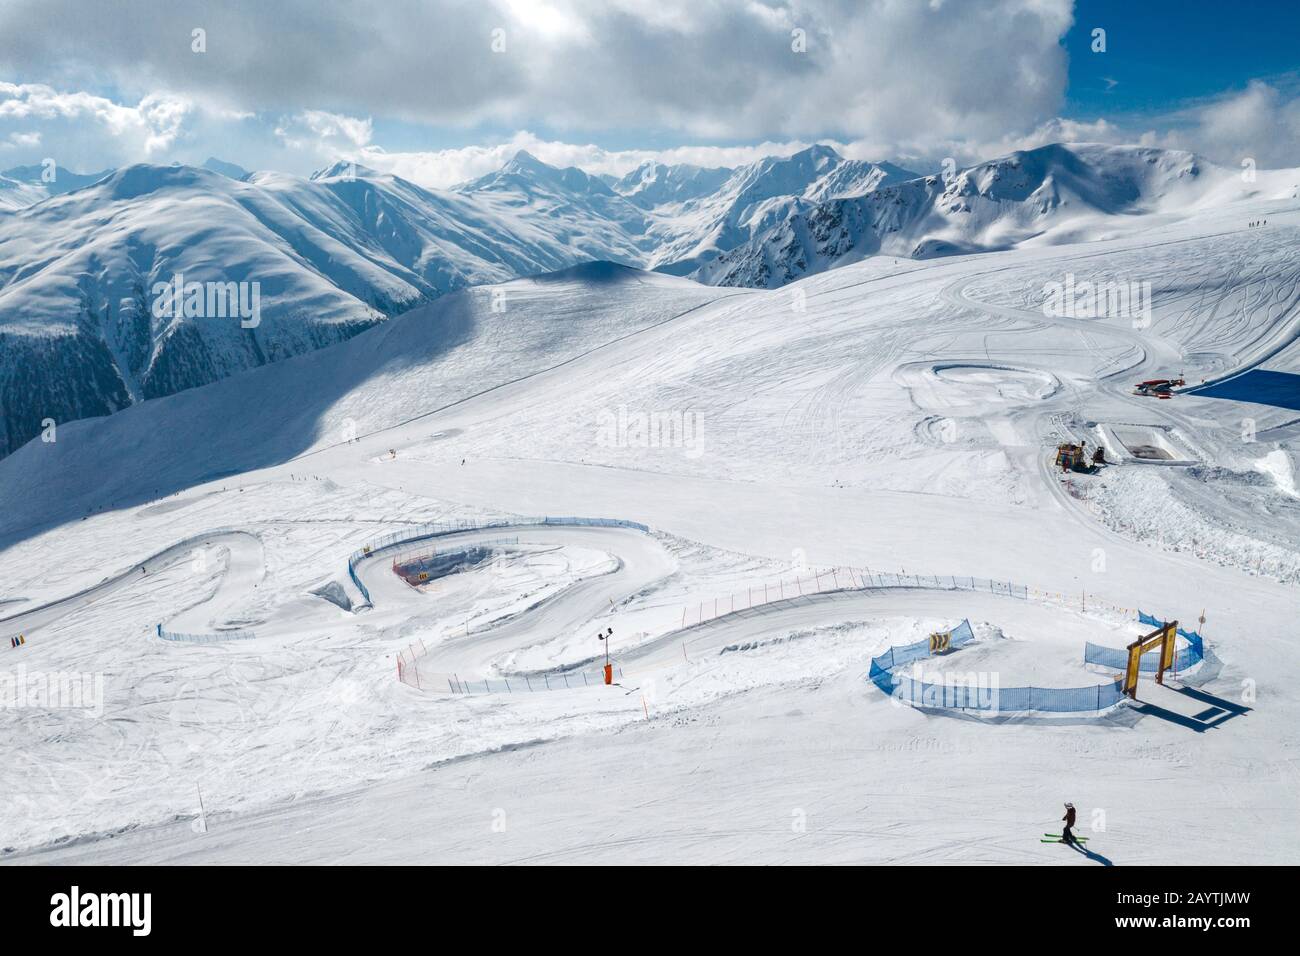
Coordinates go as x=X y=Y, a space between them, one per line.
x=246 y=567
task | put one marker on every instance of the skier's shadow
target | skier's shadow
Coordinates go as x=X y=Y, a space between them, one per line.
x=1104 y=861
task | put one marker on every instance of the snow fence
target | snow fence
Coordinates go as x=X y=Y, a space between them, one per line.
x=213 y=638
x=979 y=697
x=408 y=672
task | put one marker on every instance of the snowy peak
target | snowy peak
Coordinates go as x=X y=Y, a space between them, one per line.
x=18 y=195
x=24 y=186
x=1108 y=179
x=578 y=209
x=525 y=163
x=655 y=184
x=526 y=175
x=989 y=206
x=818 y=173
x=856 y=178
x=345 y=170
x=791 y=175
x=675 y=218
x=599 y=272
x=224 y=168
x=143 y=179
x=753 y=199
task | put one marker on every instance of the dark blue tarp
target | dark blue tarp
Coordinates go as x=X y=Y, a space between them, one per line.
x=1259 y=386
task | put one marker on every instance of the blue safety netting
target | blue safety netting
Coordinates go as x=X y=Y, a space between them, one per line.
x=1191 y=653
x=1006 y=700
x=963 y=633
x=1191 y=637
x=1117 y=659
x=906 y=653
x=212 y=638
x=965 y=693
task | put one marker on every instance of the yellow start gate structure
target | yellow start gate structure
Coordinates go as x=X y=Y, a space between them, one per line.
x=1163 y=638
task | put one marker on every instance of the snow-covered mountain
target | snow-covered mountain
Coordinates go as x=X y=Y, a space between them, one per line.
x=332 y=255
x=579 y=210
x=692 y=232
x=675 y=218
x=24 y=186
x=225 y=168
x=654 y=184
x=990 y=206
x=348 y=247
x=15 y=194
x=440 y=351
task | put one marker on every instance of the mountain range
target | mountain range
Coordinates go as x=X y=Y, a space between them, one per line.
x=82 y=258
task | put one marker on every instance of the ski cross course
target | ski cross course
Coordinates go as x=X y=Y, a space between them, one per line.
x=638 y=563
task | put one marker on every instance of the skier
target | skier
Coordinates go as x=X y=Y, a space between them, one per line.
x=1066 y=836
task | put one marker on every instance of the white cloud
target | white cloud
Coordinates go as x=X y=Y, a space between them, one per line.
x=549 y=20
x=724 y=69
x=1260 y=122
x=17 y=140
x=149 y=127
x=162 y=116
x=324 y=133
x=294 y=86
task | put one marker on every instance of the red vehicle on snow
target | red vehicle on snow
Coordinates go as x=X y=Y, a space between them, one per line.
x=1159 y=387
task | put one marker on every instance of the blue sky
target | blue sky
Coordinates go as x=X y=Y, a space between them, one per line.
x=1163 y=54
x=416 y=87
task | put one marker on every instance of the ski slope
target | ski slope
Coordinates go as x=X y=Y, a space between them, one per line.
x=889 y=415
